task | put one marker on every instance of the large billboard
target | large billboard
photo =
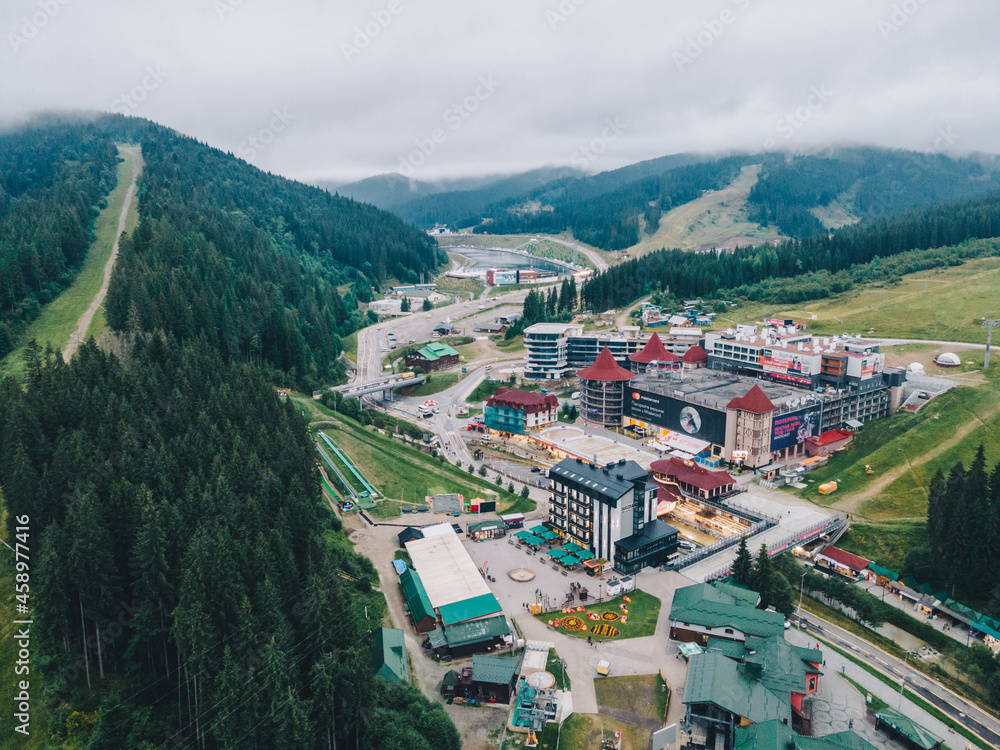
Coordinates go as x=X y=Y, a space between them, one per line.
x=676 y=415
x=793 y=428
x=865 y=367
x=787 y=362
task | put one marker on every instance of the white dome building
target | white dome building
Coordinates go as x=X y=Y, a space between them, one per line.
x=948 y=359
x=916 y=368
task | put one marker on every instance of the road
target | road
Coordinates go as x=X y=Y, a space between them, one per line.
x=599 y=263
x=83 y=324
x=957 y=709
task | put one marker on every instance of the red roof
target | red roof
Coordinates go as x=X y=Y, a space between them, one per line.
x=845 y=558
x=654 y=351
x=605 y=369
x=695 y=354
x=694 y=475
x=526 y=400
x=754 y=402
x=831 y=436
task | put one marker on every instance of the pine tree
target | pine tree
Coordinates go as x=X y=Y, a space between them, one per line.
x=761 y=574
x=743 y=564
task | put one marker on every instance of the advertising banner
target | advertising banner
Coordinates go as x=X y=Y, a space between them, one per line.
x=676 y=415
x=794 y=428
x=782 y=361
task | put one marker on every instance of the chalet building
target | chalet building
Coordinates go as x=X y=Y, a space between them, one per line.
x=842 y=563
x=725 y=611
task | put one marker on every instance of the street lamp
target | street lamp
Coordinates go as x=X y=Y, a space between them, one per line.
x=802 y=581
x=902 y=683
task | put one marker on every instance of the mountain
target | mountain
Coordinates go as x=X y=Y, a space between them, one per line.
x=265 y=269
x=798 y=196
x=454 y=199
x=54 y=176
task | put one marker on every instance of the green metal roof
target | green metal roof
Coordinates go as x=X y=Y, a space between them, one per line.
x=724 y=606
x=494 y=670
x=880 y=571
x=732 y=649
x=469 y=609
x=415 y=595
x=774 y=735
x=388 y=655
x=783 y=667
x=435 y=351
x=476 y=631
x=909 y=729
x=437 y=638
x=713 y=678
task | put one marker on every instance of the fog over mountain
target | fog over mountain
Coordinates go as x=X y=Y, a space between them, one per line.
x=343 y=91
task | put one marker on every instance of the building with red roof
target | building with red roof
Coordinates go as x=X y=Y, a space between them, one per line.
x=841 y=562
x=692 y=479
x=828 y=442
x=695 y=357
x=653 y=352
x=754 y=401
x=602 y=391
x=518 y=412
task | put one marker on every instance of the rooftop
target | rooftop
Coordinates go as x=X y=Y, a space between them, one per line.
x=695 y=354
x=715 y=390
x=448 y=573
x=469 y=609
x=605 y=369
x=494 y=670
x=510 y=397
x=415 y=595
x=724 y=606
x=776 y=735
x=652 y=530
x=475 y=631
x=714 y=678
x=693 y=475
x=613 y=483
x=754 y=401
x=388 y=655
x=830 y=436
x=435 y=351
x=654 y=351
x=909 y=729
x=854 y=562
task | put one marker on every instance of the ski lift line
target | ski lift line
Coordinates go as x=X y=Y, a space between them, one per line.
x=349 y=465
x=340 y=475
x=329 y=485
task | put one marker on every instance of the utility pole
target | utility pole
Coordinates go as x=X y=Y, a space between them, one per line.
x=989 y=325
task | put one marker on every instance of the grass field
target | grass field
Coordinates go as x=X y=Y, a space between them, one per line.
x=401 y=472
x=436 y=382
x=643 y=612
x=586 y=731
x=906 y=449
x=553 y=665
x=884 y=544
x=350 y=344
x=922 y=305
x=59 y=317
x=644 y=696
x=716 y=219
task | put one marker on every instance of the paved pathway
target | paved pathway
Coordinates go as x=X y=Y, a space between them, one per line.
x=838 y=703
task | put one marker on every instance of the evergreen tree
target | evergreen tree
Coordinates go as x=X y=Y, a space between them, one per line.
x=761 y=574
x=743 y=564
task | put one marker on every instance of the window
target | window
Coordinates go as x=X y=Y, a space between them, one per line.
x=729 y=631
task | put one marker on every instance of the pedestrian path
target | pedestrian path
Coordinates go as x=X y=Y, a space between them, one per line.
x=841 y=701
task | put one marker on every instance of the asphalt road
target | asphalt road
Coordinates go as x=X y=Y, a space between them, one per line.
x=955 y=707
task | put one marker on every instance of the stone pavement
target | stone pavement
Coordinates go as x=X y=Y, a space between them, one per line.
x=839 y=701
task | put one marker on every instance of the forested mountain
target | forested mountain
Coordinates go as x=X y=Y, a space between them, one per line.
x=869 y=182
x=189 y=586
x=391 y=190
x=610 y=209
x=251 y=261
x=606 y=210
x=54 y=175
x=686 y=274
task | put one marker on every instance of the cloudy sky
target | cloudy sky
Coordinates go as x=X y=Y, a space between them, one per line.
x=321 y=89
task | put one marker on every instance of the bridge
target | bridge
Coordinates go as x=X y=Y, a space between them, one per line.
x=383 y=385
